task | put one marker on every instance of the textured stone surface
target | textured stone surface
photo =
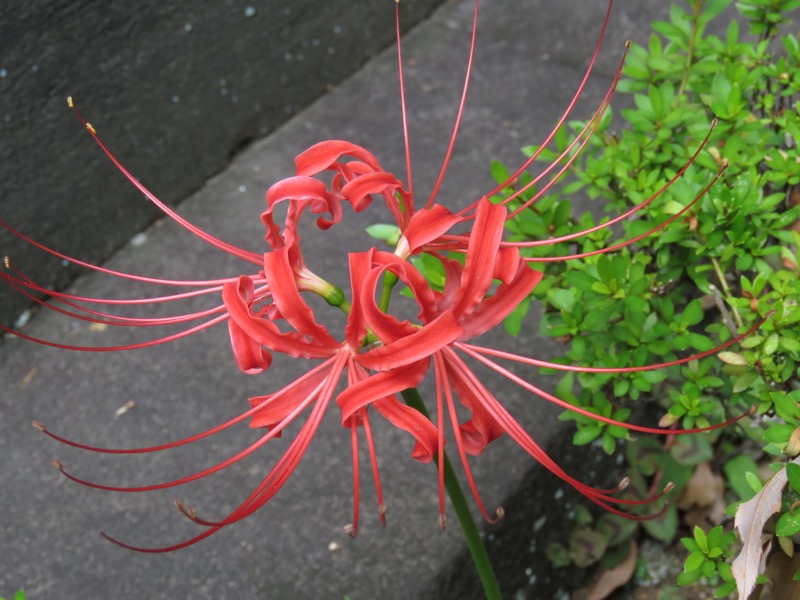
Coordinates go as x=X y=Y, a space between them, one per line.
x=530 y=60
x=178 y=88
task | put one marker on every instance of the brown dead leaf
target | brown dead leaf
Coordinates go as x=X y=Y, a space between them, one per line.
x=751 y=516
x=703 y=498
x=793 y=446
x=615 y=577
x=28 y=378
x=780 y=570
x=129 y=405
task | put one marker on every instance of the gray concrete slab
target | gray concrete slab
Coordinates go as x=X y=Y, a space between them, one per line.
x=182 y=86
x=530 y=59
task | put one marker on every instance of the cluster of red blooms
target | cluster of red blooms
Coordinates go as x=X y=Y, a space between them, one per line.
x=380 y=354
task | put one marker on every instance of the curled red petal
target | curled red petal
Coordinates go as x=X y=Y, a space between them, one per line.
x=386 y=327
x=301 y=192
x=359 y=191
x=250 y=357
x=276 y=407
x=408 y=419
x=497 y=307
x=421 y=344
x=482 y=428
x=426 y=225
x=280 y=277
x=321 y=156
x=356 y=329
x=378 y=386
x=263 y=331
x=484 y=242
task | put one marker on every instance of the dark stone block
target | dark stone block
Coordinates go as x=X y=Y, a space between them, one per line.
x=174 y=88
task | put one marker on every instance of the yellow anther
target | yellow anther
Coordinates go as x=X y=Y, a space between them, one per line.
x=69 y=102
x=7 y=262
x=91 y=129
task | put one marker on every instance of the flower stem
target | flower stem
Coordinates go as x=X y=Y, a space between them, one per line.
x=471 y=534
x=389 y=281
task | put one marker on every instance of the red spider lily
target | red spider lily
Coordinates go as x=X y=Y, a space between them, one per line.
x=380 y=354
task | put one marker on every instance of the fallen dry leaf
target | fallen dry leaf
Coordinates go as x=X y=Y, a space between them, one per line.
x=703 y=498
x=780 y=570
x=751 y=516
x=616 y=576
x=28 y=378
x=130 y=404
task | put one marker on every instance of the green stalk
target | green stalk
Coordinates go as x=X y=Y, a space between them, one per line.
x=697 y=8
x=459 y=502
x=389 y=281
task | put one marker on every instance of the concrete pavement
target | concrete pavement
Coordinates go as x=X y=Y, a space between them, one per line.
x=531 y=56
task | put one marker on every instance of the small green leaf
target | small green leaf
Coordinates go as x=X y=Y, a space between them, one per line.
x=793 y=473
x=788 y=524
x=387 y=233
x=771 y=345
x=586 y=434
x=701 y=539
x=736 y=470
x=754 y=482
x=732 y=358
x=694 y=561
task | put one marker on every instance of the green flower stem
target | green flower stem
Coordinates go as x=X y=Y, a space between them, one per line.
x=459 y=502
x=697 y=8
x=726 y=290
x=389 y=281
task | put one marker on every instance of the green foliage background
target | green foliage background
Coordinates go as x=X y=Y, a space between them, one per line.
x=717 y=269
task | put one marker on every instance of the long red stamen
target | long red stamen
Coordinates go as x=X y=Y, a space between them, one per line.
x=288 y=462
x=438 y=376
x=451 y=407
x=199 y=436
x=136 y=346
x=521 y=437
x=562 y=403
x=567 y=112
x=570 y=152
x=460 y=112
x=352 y=529
x=102 y=317
x=207 y=237
x=275 y=431
x=375 y=472
x=628 y=213
x=581 y=369
x=176 y=282
x=633 y=240
x=355 y=373
x=403 y=110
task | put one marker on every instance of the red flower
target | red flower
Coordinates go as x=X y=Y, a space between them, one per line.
x=380 y=354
